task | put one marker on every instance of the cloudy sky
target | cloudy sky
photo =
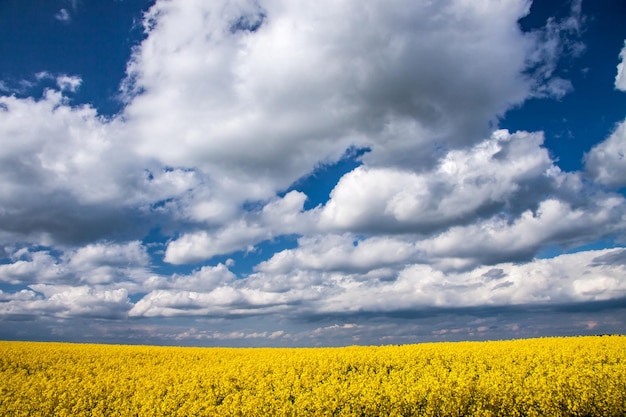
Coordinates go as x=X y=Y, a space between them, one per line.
x=296 y=173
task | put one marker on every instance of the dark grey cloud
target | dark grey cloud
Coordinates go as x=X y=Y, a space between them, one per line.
x=336 y=330
x=494 y=273
x=617 y=257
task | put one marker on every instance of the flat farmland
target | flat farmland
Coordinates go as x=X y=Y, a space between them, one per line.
x=572 y=376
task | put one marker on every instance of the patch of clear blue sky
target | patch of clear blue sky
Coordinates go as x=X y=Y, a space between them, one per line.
x=319 y=184
x=94 y=44
x=589 y=113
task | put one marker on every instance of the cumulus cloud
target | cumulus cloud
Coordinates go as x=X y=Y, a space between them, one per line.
x=102 y=254
x=605 y=162
x=67 y=302
x=499 y=239
x=79 y=164
x=310 y=289
x=540 y=281
x=96 y=280
x=237 y=106
x=205 y=279
x=505 y=171
x=105 y=263
x=95 y=264
x=216 y=116
x=198 y=246
x=276 y=217
x=620 y=78
x=229 y=103
x=223 y=301
x=55 y=157
x=31 y=267
x=341 y=253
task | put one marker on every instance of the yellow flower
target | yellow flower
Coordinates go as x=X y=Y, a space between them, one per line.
x=535 y=377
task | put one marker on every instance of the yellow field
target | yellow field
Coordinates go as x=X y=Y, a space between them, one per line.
x=583 y=376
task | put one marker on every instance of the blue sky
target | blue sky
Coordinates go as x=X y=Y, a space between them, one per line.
x=285 y=173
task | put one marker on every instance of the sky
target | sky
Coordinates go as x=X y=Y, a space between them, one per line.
x=296 y=173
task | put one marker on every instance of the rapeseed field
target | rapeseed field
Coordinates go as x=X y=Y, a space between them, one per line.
x=579 y=376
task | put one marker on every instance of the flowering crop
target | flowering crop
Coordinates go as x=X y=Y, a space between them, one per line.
x=582 y=376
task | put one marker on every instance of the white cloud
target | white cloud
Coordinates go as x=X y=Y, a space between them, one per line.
x=99 y=254
x=556 y=40
x=65 y=83
x=606 y=162
x=504 y=171
x=620 y=78
x=278 y=216
x=63 y=16
x=221 y=301
x=567 y=278
x=342 y=253
x=284 y=212
x=224 y=301
x=69 y=83
x=105 y=263
x=247 y=107
x=202 y=245
x=205 y=279
x=96 y=264
x=80 y=164
x=68 y=301
x=498 y=239
x=30 y=267
x=306 y=290
x=228 y=103
x=58 y=154
x=22 y=295
x=221 y=112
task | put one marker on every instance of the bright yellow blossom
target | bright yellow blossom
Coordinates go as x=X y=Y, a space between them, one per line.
x=582 y=376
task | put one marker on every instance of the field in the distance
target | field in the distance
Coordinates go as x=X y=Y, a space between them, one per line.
x=580 y=376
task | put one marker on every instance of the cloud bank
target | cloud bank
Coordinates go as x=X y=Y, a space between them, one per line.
x=228 y=104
